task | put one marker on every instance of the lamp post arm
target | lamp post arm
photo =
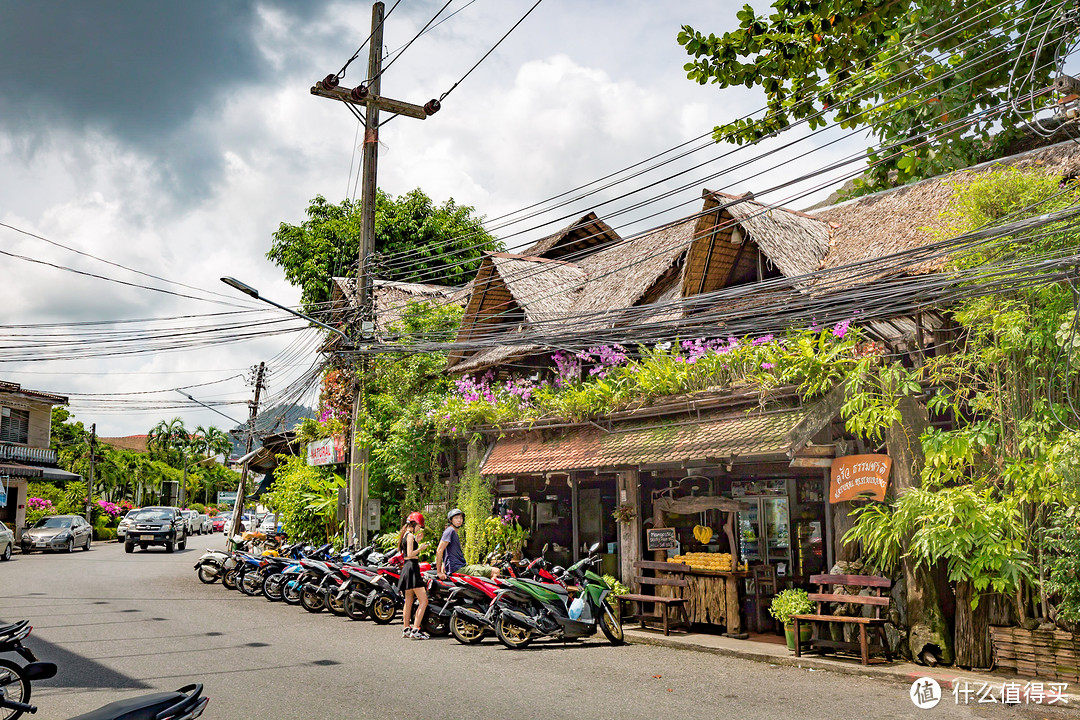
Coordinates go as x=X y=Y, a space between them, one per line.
x=308 y=318
x=208 y=407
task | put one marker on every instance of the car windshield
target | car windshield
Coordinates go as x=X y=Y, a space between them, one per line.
x=132 y=513
x=154 y=515
x=53 y=522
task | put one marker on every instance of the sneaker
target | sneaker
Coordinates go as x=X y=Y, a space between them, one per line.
x=407 y=633
x=420 y=635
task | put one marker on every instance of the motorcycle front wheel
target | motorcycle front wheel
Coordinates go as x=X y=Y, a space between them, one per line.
x=13 y=687
x=382 y=609
x=355 y=607
x=251 y=583
x=465 y=632
x=434 y=625
x=228 y=580
x=272 y=587
x=335 y=605
x=208 y=574
x=311 y=600
x=611 y=624
x=512 y=636
x=291 y=593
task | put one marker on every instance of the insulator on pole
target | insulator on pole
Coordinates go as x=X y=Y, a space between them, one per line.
x=432 y=106
x=330 y=81
x=360 y=92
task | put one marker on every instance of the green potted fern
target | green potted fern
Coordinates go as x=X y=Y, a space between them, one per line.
x=788 y=603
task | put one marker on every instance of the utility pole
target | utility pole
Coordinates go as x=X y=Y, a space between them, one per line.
x=90 y=480
x=238 y=507
x=367 y=96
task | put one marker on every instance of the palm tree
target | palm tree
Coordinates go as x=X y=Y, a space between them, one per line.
x=212 y=441
x=171 y=440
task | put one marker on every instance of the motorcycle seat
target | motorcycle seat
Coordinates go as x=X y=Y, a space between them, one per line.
x=144 y=707
x=12 y=628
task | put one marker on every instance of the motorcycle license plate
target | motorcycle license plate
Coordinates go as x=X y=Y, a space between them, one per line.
x=146 y=537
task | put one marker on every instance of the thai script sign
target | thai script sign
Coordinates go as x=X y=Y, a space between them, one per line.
x=859 y=477
x=329 y=451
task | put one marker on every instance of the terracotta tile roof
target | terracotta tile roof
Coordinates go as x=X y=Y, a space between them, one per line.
x=718 y=435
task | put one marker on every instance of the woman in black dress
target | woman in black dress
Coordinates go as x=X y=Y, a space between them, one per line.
x=411 y=582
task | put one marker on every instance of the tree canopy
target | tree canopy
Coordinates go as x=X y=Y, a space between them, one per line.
x=897 y=67
x=444 y=243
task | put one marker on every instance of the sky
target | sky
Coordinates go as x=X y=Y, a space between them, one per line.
x=174 y=138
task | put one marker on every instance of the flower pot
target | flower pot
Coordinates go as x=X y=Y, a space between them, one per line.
x=805 y=633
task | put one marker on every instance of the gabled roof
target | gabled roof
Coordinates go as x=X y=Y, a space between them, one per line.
x=575 y=239
x=391 y=299
x=17 y=389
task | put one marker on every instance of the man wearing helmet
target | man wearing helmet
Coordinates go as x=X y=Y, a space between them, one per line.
x=450 y=559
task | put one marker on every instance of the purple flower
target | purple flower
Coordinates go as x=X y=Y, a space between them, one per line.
x=840 y=329
x=767 y=365
x=763 y=339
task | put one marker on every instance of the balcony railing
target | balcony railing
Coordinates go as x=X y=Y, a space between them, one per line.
x=18 y=453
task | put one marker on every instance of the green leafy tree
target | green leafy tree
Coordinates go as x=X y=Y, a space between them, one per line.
x=445 y=243
x=170 y=441
x=892 y=66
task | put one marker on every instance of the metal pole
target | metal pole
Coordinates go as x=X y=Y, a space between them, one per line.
x=358 y=466
x=90 y=480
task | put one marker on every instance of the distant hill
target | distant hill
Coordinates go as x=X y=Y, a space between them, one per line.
x=277 y=419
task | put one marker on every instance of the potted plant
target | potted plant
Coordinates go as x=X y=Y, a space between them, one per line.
x=625 y=513
x=788 y=603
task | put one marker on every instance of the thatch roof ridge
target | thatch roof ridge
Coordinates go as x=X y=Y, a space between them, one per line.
x=543 y=294
x=597 y=233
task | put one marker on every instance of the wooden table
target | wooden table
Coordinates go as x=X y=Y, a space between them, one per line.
x=712 y=597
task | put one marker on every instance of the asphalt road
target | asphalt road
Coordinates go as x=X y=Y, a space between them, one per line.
x=120 y=625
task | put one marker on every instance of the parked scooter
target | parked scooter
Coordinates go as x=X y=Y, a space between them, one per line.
x=528 y=609
x=213 y=564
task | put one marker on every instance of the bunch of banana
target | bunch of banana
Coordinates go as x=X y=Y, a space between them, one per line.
x=703 y=534
x=715 y=562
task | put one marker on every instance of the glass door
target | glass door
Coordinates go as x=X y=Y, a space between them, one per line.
x=750 y=540
x=777 y=533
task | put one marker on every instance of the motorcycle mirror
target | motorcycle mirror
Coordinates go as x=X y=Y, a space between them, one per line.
x=39 y=670
x=544 y=550
x=558 y=570
x=595 y=547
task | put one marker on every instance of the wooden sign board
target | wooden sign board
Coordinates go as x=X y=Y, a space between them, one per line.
x=859 y=477
x=661 y=538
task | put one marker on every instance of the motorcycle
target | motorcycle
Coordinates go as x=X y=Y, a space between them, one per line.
x=213 y=564
x=528 y=608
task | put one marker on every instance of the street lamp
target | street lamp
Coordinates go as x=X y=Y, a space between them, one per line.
x=252 y=292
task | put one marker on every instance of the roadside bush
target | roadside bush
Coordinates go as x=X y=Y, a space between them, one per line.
x=45 y=491
x=104 y=534
x=197 y=507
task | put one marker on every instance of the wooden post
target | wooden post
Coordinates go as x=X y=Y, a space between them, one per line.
x=629 y=493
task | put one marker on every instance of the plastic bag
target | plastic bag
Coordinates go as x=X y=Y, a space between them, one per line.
x=576 y=608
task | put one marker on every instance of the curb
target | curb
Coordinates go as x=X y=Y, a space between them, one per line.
x=944 y=677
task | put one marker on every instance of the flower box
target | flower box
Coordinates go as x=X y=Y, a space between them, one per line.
x=1051 y=654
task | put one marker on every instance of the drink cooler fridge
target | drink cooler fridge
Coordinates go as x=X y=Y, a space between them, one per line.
x=765 y=532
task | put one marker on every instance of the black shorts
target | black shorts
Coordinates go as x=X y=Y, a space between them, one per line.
x=410 y=576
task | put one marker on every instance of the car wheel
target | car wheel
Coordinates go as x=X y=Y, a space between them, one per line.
x=87 y=545
x=7 y=553
x=129 y=547
x=182 y=545
x=71 y=545
x=169 y=547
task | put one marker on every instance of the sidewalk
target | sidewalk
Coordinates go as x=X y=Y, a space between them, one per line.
x=776 y=653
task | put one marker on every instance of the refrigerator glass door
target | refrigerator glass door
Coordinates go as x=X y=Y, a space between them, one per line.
x=777 y=531
x=750 y=541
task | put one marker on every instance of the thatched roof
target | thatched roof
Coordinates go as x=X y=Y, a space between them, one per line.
x=586 y=232
x=543 y=289
x=908 y=217
x=391 y=299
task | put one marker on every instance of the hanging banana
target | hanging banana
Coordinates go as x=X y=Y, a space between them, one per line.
x=703 y=534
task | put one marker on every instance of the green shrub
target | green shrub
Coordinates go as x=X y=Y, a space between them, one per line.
x=197 y=507
x=104 y=534
x=790 y=602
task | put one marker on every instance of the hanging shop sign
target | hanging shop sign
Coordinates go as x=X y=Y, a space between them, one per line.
x=661 y=538
x=859 y=477
x=329 y=451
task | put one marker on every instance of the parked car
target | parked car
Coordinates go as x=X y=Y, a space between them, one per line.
x=217 y=523
x=201 y=523
x=125 y=522
x=157 y=526
x=270 y=524
x=58 y=532
x=189 y=520
x=7 y=541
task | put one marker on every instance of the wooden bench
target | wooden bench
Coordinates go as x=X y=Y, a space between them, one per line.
x=662 y=604
x=826 y=583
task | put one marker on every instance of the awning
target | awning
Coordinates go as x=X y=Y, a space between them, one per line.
x=715 y=437
x=17 y=470
x=58 y=474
